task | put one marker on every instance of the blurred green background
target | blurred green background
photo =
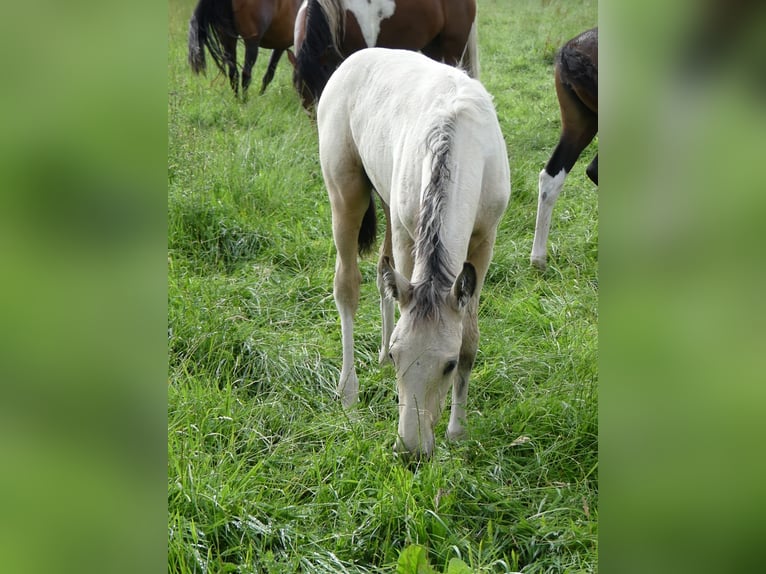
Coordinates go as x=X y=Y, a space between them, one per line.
x=83 y=305
x=681 y=303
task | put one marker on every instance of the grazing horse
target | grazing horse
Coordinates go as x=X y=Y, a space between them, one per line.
x=425 y=137
x=260 y=23
x=576 y=79
x=327 y=31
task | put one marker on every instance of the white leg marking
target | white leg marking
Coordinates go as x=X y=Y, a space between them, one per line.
x=549 y=190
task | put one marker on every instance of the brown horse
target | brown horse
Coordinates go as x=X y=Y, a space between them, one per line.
x=218 y=24
x=576 y=79
x=327 y=31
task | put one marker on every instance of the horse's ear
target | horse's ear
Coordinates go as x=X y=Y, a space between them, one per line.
x=395 y=284
x=291 y=57
x=464 y=287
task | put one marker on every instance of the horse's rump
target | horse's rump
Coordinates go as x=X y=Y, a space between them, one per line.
x=578 y=64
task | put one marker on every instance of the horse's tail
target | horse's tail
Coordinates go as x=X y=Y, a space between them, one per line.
x=368 y=231
x=469 y=61
x=208 y=18
x=325 y=25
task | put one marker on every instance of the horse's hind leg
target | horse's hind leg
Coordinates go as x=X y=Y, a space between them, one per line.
x=386 y=303
x=271 y=69
x=579 y=126
x=251 y=55
x=549 y=188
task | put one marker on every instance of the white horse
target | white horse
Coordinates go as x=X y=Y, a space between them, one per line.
x=425 y=137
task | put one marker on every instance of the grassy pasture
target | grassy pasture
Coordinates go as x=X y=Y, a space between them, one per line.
x=266 y=472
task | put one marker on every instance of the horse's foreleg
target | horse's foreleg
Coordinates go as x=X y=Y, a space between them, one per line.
x=386 y=303
x=457 y=417
x=347 y=300
x=251 y=55
x=346 y=293
x=271 y=69
x=480 y=258
x=347 y=217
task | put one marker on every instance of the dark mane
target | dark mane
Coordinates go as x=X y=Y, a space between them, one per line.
x=310 y=70
x=429 y=248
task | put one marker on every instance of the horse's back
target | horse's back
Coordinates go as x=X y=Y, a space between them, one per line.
x=380 y=112
x=397 y=94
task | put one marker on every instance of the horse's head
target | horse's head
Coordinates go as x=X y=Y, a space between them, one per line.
x=425 y=351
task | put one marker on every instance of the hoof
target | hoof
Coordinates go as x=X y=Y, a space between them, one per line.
x=455 y=434
x=540 y=263
x=348 y=390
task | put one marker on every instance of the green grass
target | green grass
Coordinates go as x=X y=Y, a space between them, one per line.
x=266 y=472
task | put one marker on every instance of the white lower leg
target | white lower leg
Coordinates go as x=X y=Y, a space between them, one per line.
x=549 y=190
x=348 y=386
x=456 y=426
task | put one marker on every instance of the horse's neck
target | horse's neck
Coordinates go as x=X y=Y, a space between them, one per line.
x=449 y=242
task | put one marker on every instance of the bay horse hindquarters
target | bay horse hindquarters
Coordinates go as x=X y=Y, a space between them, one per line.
x=576 y=80
x=425 y=138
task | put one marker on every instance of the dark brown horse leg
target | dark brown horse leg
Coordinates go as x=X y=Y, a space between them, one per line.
x=230 y=57
x=251 y=55
x=272 y=67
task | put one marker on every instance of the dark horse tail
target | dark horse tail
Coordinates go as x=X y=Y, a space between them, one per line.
x=210 y=17
x=325 y=22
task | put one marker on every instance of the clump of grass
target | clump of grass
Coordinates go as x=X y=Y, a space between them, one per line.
x=211 y=239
